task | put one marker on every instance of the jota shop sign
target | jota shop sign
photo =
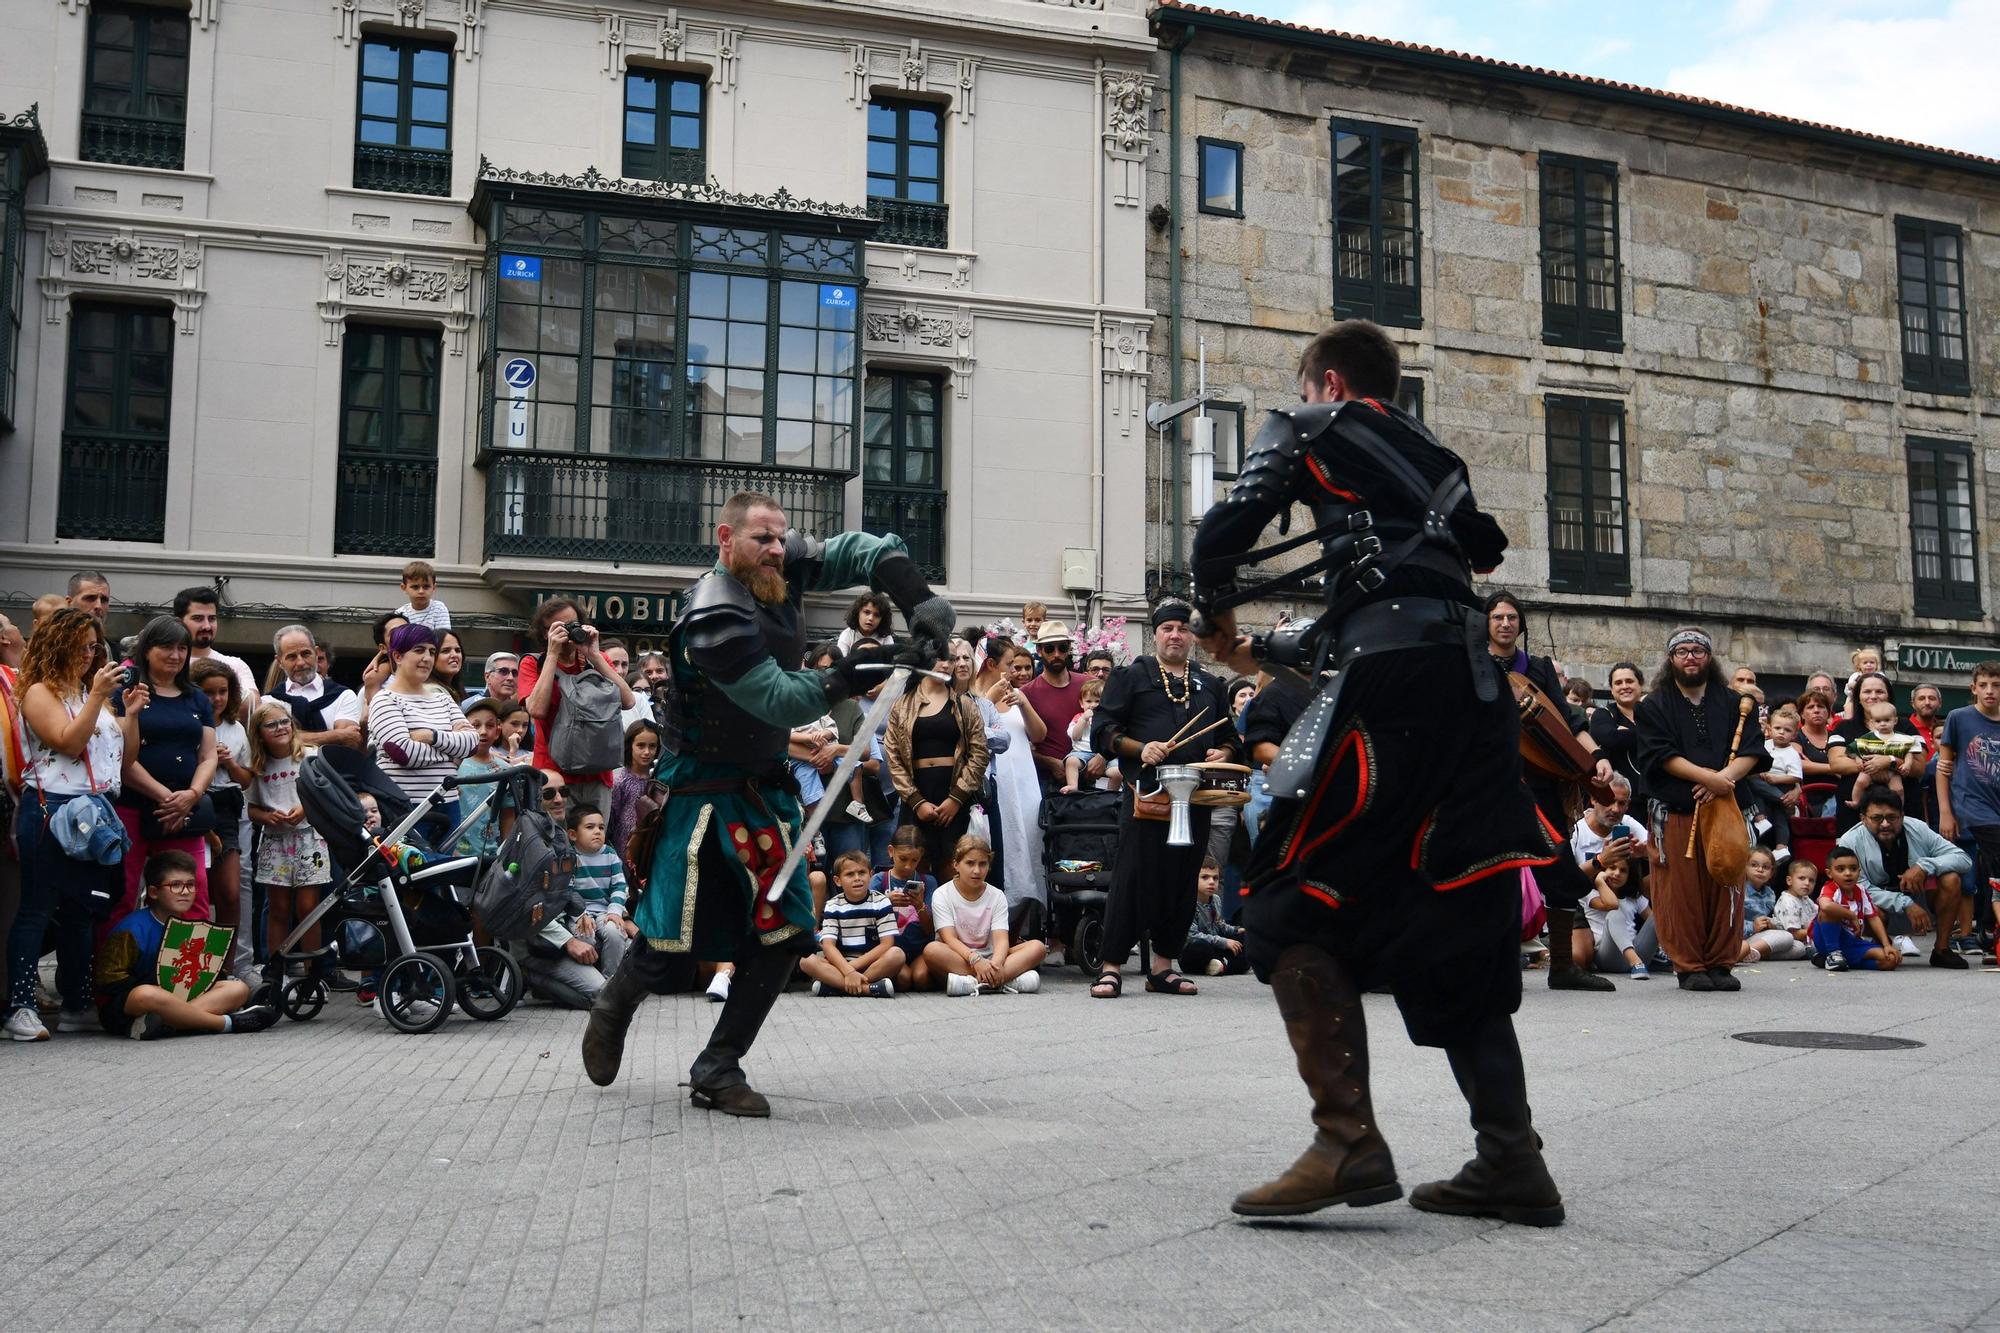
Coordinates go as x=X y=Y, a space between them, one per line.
x=641 y=618
x=1940 y=659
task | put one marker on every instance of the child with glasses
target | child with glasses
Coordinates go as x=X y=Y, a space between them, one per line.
x=131 y=1002
x=290 y=865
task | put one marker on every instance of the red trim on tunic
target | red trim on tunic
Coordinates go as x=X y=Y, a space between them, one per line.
x=1312 y=465
x=1519 y=863
x=1351 y=741
x=1314 y=892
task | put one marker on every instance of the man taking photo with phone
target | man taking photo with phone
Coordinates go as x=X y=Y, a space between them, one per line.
x=1606 y=836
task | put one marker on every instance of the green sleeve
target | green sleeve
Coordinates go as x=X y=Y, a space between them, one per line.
x=782 y=698
x=849 y=560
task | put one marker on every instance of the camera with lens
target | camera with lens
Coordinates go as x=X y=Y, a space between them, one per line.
x=577 y=633
x=1294 y=644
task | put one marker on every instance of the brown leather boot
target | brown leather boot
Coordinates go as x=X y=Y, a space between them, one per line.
x=610 y=1015
x=1508 y=1178
x=1564 y=974
x=1347 y=1161
x=734 y=1099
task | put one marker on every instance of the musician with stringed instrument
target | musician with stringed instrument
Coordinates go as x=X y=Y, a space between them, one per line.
x=1559 y=759
x=1697 y=743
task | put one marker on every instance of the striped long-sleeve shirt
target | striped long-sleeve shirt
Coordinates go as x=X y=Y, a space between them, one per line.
x=600 y=881
x=418 y=766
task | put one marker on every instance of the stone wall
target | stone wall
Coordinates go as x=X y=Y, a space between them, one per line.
x=1761 y=375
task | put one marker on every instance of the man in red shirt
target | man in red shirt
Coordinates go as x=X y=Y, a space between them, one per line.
x=572 y=645
x=1058 y=697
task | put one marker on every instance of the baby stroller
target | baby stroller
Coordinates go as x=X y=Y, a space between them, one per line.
x=425 y=971
x=1079 y=843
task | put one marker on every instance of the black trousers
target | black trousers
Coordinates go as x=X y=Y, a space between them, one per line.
x=1153 y=885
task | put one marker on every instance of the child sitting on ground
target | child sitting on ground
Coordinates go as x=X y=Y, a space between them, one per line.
x=1784 y=934
x=1214 y=946
x=1882 y=739
x=130 y=1000
x=909 y=891
x=1621 y=923
x=972 y=951
x=857 y=936
x=575 y=952
x=1845 y=909
x=1090 y=695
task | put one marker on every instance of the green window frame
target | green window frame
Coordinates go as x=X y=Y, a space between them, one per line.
x=1944 y=529
x=1219 y=177
x=117 y=407
x=902 y=462
x=1377 y=224
x=666 y=126
x=1589 y=549
x=906 y=172
x=402 y=121
x=135 y=87
x=1582 y=280
x=386 y=500
x=1930 y=288
x=687 y=340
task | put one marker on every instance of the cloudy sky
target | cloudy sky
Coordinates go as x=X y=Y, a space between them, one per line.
x=1915 y=69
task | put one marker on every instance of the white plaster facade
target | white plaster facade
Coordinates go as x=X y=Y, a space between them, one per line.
x=1035 y=311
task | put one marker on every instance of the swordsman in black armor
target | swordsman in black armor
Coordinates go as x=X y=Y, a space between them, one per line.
x=1389 y=857
x=733 y=811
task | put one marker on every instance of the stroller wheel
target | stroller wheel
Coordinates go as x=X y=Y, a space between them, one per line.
x=303 y=999
x=1086 y=942
x=489 y=984
x=416 y=993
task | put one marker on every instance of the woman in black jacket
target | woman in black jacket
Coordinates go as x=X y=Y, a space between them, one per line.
x=1616 y=734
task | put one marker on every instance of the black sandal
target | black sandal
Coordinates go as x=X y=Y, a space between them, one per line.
x=1116 y=980
x=1170 y=982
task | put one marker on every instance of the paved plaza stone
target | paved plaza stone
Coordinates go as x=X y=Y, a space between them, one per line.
x=1044 y=1161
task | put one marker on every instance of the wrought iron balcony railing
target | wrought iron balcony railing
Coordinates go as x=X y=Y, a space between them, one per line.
x=914 y=513
x=675 y=166
x=403 y=170
x=385 y=506
x=637 y=510
x=133 y=141
x=113 y=488
x=908 y=223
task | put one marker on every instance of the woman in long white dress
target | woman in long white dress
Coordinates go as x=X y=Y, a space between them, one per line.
x=1018 y=785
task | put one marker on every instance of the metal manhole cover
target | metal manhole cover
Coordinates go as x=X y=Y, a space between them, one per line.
x=1829 y=1041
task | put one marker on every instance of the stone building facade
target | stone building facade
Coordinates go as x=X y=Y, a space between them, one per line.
x=1705 y=364
x=301 y=290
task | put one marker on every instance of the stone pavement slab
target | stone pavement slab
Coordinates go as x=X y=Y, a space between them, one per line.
x=1044 y=1161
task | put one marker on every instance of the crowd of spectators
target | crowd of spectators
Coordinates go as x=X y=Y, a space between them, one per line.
x=153 y=781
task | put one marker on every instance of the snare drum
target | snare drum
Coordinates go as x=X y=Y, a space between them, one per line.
x=1222 y=785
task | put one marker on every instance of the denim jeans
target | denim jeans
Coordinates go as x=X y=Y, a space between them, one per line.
x=846 y=838
x=45 y=870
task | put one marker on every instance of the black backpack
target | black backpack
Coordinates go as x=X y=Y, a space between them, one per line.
x=528 y=883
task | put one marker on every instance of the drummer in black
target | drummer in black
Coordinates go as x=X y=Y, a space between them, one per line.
x=1562 y=884
x=1145 y=705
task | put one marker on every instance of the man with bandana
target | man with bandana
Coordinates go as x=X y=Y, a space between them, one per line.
x=1145 y=705
x=1390 y=855
x=734 y=695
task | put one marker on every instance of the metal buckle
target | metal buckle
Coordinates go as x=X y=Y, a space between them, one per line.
x=1367 y=548
x=1371 y=579
x=1360 y=520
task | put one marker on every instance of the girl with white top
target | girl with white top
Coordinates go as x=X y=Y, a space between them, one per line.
x=972 y=952
x=418 y=732
x=71 y=747
x=225 y=793
x=291 y=863
x=1016 y=783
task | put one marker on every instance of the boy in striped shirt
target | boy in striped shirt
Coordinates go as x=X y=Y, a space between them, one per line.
x=600 y=872
x=570 y=959
x=857 y=936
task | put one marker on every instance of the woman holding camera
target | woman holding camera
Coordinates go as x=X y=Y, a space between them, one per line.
x=169 y=731
x=71 y=747
x=572 y=646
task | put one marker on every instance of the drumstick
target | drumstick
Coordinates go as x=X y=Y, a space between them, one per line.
x=1743 y=707
x=1173 y=742
x=1189 y=740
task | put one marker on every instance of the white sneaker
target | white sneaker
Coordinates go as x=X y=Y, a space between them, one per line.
x=1761 y=824
x=1908 y=946
x=78 y=1020
x=1781 y=854
x=1028 y=982
x=718 y=988
x=1214 y=968
x=960 y=984
x=24 y=1025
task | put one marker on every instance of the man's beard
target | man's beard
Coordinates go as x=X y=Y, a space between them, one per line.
x=1691 y=676
x=766 y=584
x=1059 y=662
x=203 y=641
x=303 y=675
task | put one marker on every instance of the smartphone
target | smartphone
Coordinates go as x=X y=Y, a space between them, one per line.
x=130 y=678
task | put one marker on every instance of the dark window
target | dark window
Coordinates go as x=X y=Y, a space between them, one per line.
x=386 y=501
x=1221 y=177
x=135 y=95
x=1228 y=418
x=1944 y=536
x=403 y=125
x=1930 y=276
x=114 y=447
x=902 y=462
x=1410 y=396
x=1587 y=551
x=906 y=172
x=666 y=132
x=22 y=157
x=1581 y=301
x=1375 y=232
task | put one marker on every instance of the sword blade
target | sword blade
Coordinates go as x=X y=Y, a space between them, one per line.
x=836 y=784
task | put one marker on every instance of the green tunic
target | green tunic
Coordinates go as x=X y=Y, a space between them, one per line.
x=754 y=835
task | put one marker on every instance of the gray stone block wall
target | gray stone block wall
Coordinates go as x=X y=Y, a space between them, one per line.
x=1761 y=376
